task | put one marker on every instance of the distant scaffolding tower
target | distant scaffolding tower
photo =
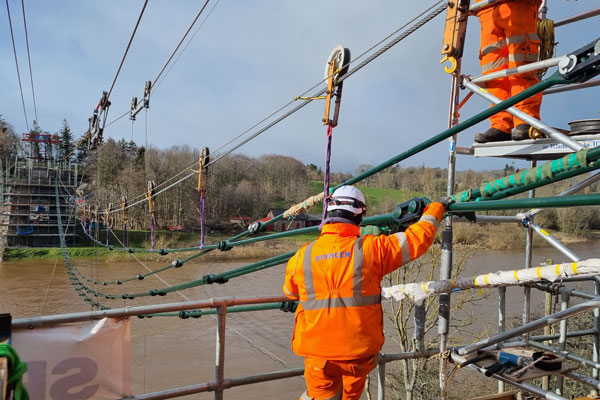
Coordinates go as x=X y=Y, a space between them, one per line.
x=28 y=214
x=40 y=145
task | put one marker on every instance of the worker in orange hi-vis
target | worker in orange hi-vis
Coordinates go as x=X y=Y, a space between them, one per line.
x=509 y=39
x=337 y=279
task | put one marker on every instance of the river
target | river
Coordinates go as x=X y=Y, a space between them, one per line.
x=169 y=352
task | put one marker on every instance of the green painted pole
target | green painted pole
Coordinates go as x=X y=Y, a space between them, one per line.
x=374 y=220
x=198 y=313
x=555 y=79
x=591 y=156
x=536 y=202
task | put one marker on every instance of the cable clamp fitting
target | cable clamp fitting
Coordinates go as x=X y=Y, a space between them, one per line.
x=224 y=245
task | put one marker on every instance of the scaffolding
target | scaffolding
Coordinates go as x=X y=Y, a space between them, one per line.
x=28 y=217
x=552 y=145
x=480 y=356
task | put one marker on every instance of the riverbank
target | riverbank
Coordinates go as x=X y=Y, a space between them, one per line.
x=493 y=237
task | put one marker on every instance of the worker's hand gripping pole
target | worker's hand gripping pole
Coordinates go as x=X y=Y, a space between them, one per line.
x=150 y=197
x=202 y=170
x=124 y=205
x=454 y=33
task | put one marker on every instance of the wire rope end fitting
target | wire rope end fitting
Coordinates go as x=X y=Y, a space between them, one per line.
x=163 y=252
x=131 y=250
x=177 y=263
x=255 y=227
x=119 y=282
x=184 y=314
x=224 y=245
x=289 y=306
x=156 y=292
x=526 y=219
x=141 y=277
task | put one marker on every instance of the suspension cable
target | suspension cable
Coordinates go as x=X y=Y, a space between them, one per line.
x=157 y=83
x=389 y=45
x=12 y=36
x=181 y=41
x=325 y=79
x=29 y=59
x=127 y=49
x=350 y=72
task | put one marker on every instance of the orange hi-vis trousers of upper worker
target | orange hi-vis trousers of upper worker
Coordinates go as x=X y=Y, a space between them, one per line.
x=339 y=320
x=509 y=39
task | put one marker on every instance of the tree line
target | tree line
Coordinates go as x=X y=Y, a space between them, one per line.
x=242 y=186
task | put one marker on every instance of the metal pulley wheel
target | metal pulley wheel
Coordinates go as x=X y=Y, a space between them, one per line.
x=204 y=157
x=340 y=56
x=151 y=186
x=585 y=127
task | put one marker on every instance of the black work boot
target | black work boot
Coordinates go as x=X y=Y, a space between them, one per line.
x=521 y=132
x=492 y=135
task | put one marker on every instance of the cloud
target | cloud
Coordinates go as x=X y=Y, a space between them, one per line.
x=249 y=59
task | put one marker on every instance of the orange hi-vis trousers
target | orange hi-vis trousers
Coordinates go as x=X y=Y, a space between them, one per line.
x=329 y=380
x=509 y=39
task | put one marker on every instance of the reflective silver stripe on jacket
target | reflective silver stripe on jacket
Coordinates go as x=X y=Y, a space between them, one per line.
x=494 y=64
x=404 y=246
x=522 y=57
x=500 y=44
x=431 y=219
x=357 y=299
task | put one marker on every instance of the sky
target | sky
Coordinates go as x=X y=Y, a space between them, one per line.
x=248 y=59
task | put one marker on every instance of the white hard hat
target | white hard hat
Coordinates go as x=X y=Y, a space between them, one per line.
x=347 y=198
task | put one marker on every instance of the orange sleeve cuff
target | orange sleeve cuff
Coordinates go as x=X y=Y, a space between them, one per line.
x=435 y=209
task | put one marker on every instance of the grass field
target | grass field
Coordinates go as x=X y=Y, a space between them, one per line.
x=377 y=198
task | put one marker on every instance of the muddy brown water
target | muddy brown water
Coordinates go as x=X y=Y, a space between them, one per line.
x=168 y=352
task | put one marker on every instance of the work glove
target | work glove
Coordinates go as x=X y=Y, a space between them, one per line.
x=445 y=201
x=370 y=230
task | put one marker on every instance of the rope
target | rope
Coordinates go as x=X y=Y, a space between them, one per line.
x=201 y=217
x=545 y=31
x=305 y=205
x=16 y=370
x=327 y=159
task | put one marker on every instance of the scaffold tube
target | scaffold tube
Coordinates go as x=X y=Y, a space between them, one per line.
x=536 y=202
x=419 y=291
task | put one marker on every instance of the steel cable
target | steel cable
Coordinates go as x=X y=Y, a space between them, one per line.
x=378 y=53
x=127 y=49
x=12 y=36
x=29 y=59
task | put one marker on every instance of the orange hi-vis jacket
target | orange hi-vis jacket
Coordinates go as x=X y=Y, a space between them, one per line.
x=337 y=279
x=509 y=39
